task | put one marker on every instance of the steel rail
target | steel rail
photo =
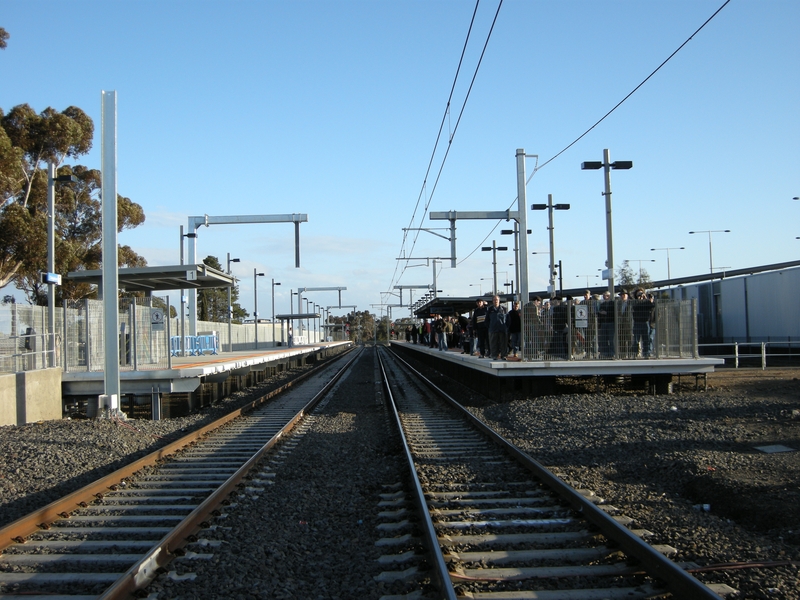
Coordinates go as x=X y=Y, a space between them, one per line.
x=657 y=565
x=18 y=530
x=441 y=574
x=141 y=573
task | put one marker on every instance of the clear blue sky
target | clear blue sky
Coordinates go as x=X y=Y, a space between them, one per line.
x=332 y=109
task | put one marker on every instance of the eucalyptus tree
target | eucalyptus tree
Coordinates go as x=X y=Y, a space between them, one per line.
x=28 y=142
x=212 y=304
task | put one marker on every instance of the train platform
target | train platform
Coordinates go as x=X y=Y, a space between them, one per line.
x=566 y=368
x=486 y=374
x=189 y=372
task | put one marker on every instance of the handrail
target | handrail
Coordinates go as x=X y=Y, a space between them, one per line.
x=762 y=354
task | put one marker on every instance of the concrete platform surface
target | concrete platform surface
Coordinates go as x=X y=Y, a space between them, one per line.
x=575 y=368
x=188 y=372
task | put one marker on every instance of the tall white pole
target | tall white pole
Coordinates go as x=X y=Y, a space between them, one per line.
x=51 y=262
x=255 y=301
x=551 y=230
x=609 y=232
x=182 y=345
x=710 y=256
x=230 y=310
x=494 y=268
x=110 y=259
x=522 y=209
x=273 y=312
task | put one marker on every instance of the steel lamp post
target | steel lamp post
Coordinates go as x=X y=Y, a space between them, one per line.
x=230 y=306
x=273 y=310
x=549 y=207
x=710 y=251
x=493 y=249
x=607 y=165
x=669 y=273
x=256 y=275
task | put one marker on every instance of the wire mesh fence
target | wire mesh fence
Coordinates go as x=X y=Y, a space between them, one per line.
x=143 y=335
x=609 y=328
x=24 y=342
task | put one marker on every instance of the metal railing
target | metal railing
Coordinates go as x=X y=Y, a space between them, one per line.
x=610 y=329
x=27 y=352
x=763 y=354
x=24 y=343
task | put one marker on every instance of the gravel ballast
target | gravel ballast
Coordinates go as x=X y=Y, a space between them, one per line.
x=683 y=466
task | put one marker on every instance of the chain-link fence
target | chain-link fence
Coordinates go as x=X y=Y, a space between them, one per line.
x=606 y=328
x=143 y=335
x=24 y=342
x=147 y=338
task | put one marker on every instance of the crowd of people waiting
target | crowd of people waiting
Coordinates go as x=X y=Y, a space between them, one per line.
x=621 y=327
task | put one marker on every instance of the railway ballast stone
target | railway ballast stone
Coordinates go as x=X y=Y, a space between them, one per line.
x=683 y=466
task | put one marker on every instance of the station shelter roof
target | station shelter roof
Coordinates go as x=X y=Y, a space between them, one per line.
x=297 y=316
x=157 y=279
x=449 y=306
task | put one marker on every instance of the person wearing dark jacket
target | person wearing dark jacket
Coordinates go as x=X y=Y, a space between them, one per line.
x=480 y=327
x=642 y=310
x=560 y=320
x=514 y=328
x=605 y=324
x=498 y=329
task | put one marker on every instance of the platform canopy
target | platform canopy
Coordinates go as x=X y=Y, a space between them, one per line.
x=157 y=279
x=296 y=316
x=450 y=306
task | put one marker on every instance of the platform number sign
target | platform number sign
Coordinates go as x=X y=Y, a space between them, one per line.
x=581 y=315
x=157 y=319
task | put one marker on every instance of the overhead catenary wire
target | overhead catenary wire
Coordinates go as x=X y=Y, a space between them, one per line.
x=451 y=136
x=603 y=118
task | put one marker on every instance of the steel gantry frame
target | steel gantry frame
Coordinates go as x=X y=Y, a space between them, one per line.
x=519 y=215
x=412 y=287
x=318 y=289
x=196 y=222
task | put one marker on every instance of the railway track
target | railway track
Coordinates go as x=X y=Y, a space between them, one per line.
x=497 y=524
x=111 y=538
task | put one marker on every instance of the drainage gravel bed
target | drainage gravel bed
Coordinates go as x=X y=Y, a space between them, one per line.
x=44 y=461
x=684 y=466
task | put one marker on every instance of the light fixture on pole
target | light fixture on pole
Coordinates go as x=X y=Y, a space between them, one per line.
x=183 y=297
x=607 y=165
x=494 y=248
x=480 y=287
x=669 y=274
x=256 y=275
x=273 y=311
x=52 y=279
x=549 y=207
x=290 y=332
x=640 y=261
x=314 y=320
x=587 y=278
x=710 y=251
x=230 y=306
x=307 y=334
x=515 y=233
